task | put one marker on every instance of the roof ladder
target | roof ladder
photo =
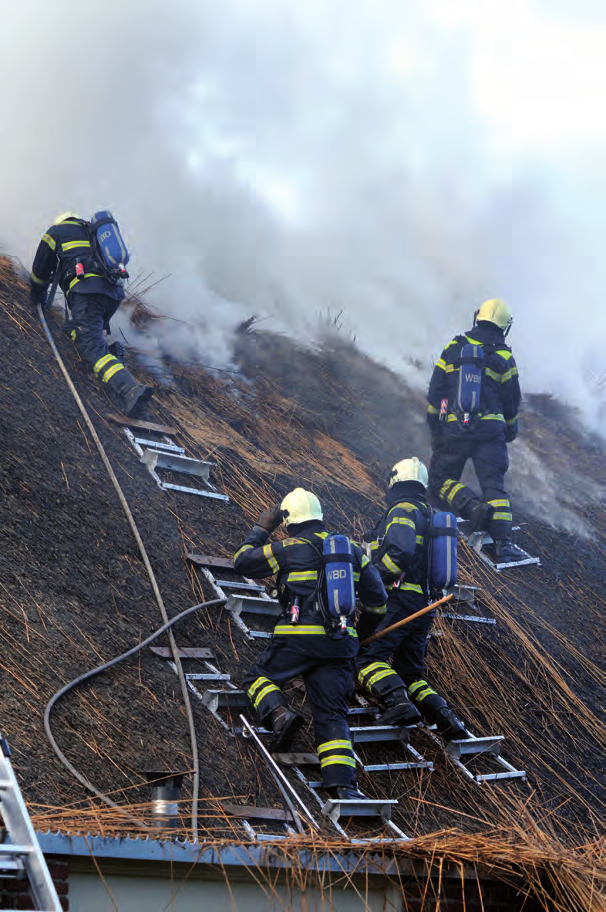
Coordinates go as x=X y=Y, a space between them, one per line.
x=20 y=853
x=477 y=541
x=464 y=594
x=244 y=596
x=156 y=449
x=472 y=747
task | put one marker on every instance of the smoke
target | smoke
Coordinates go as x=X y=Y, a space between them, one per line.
x=293 y=159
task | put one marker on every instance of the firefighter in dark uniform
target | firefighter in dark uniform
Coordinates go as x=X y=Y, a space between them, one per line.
x=484 y=440
x=302 y=645
x=92 y=299
x=399 y=552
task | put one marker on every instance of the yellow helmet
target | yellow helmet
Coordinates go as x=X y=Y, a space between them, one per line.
x=300 y=506
x=495 y=311
x=65 y=216
x=409 y=470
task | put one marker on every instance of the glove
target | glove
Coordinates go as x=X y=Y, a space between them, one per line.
x=270 y=519
x=435 y=427
x=37 y=297
x=118 y=350
x=511 y=432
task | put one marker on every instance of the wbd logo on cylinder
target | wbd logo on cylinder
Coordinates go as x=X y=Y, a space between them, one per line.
x=336 y=574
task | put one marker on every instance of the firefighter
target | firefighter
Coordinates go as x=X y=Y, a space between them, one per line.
x=399 y=552
x=301 y=645
x=92 y=299
x=483 y=436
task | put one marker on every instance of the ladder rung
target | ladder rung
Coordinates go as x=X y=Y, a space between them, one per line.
x=491 y=777
x=230 y=584
x=6 y=866
x=9 y=849
x=253 y=605
x=489 y=744
x=378 y=733
x=208 y=677
x=385 y=767
x=335 y=808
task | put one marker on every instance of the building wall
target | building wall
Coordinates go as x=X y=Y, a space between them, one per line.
x=122 y=886
x=136 y=894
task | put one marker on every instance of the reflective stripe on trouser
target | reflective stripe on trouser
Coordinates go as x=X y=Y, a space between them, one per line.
x=107 y=367
x=329 y=685
x=265 y=696
x=405 y=646
x=490 y=461
x=336 y=753
x=379 y=678
x=426 y=699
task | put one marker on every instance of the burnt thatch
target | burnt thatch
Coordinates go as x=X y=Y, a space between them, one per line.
x=74 y=592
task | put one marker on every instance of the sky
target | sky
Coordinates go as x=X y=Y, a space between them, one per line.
x=393 y=162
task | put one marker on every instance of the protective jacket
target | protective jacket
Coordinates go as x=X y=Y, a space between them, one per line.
x=398 y=548
x=500 y=395
x=61 y=248
x=296 y=562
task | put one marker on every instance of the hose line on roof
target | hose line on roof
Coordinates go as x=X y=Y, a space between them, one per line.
x=89 y=674
x=148 y=567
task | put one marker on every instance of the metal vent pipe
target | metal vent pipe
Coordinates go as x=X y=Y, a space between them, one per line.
x=166 y=790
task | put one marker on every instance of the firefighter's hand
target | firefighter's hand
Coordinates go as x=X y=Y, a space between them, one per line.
x=36 y=298
x=118 y=350
x=270 y=519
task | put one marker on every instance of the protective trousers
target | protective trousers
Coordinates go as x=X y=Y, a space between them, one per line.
x=490 y=461
x=407 y=645
x=329 y=686
x=90 y=314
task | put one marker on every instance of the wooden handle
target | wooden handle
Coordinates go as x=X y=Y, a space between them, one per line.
x=381 y=633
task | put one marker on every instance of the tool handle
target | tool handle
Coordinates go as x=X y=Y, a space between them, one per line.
x=381 y=633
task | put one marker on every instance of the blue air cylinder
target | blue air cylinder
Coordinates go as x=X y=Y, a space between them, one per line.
x=109 y=239
x=471 y=369
x=443 y=567
x=338 y=558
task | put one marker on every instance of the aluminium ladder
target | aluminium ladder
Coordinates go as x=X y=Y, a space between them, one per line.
x=157 y=450
x=20 y=853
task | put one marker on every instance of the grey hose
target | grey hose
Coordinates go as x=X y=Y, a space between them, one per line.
x=89 y=674
x=148 y=567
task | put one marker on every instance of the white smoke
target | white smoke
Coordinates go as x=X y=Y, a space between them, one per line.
x=397 y=160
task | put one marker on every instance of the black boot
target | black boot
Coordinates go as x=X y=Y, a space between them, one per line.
x=135 y=399
x=450 y=727
x=346 y=793
x=400 y=711
x=285 y=723
x=131 y=395
x=505 y=552
x=479 y=517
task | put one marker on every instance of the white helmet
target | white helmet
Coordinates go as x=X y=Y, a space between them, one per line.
x=65 y=216
x=299 y=506
x=495 y=311
x=409 y=470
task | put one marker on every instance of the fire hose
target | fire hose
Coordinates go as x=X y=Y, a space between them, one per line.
x=150 y=572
